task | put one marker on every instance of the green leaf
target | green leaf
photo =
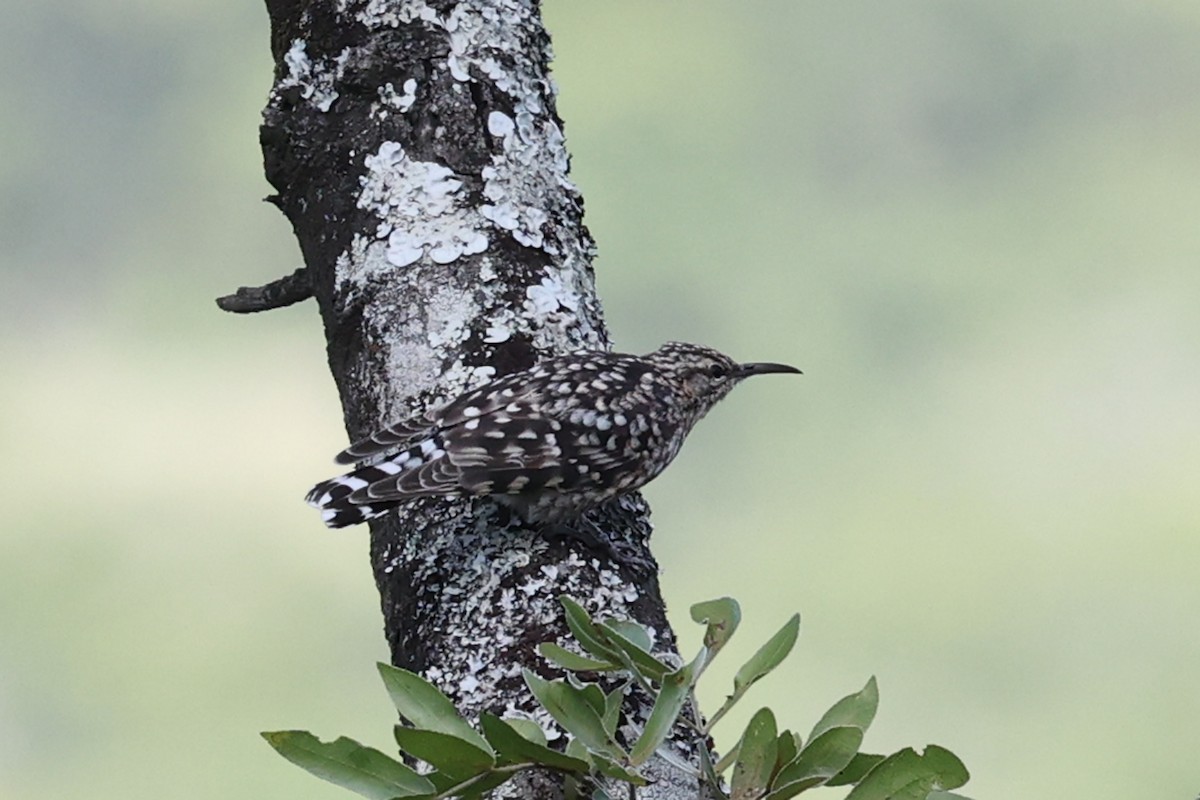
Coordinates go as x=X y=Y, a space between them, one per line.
x=676 y=688
x=473 y=788
x=585 y=631
x=787 y=747
x=612 y=710
x=422 y=704
x=859 y=766
x=709 y=772
x=768 y=656
x=513 y=748
x=350 y=765
x=823 y=757
x=761 y=663
x=904 y=775
x=571 y=709
x=590 y=692
x=612 y=769
x=792 y=789
x=527 y=728
x=756 y=757
x=856 y=710
x=637 y=634
x=635 y=658
x=951 y=771
x=575 y=749
x=945 y=796
x=722 y=617
x=456 y=758
x=568 y=660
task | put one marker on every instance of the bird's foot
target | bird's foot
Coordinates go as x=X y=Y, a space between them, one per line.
x=585 y=532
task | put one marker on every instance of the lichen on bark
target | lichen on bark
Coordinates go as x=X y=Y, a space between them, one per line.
x=416 y=150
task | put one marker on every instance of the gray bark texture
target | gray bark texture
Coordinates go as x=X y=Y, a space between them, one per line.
x=416 y=150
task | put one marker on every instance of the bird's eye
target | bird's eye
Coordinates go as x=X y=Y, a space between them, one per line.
x=717 y=372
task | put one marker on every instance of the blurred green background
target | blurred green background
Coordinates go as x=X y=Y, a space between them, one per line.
x=974 y=226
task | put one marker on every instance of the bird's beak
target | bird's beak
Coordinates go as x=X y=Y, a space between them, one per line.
x=746 y=370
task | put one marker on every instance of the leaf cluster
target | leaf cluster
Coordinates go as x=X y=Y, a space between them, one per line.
x=765 y=764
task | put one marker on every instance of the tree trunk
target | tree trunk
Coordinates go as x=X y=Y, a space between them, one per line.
x=416 y=150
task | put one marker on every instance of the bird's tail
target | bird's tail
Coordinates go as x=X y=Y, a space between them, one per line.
x=333 y=498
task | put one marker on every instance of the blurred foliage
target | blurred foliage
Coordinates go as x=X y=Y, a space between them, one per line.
x=972 y=226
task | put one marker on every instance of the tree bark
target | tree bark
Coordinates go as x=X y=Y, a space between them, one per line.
x=416 y=150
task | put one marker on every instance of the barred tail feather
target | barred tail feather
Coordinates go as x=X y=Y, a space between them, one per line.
x=347 y=515
x=333 y=498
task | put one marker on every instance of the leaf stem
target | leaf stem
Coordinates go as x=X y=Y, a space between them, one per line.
x=509 y=769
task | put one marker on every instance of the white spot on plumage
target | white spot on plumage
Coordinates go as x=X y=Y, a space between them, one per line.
x=494 y=433
x=471 y=424
x=390 y=467
x=589 y=417
x=603 y=423
x=470 y=411
x=527 y=434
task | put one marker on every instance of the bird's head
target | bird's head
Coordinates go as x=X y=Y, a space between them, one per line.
x=704 y=376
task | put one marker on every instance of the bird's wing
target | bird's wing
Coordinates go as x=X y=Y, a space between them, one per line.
x=512 y=450
x=524 y=452
x=486 y=399
x=481 y=454
x=420 y=471
x=400 y=434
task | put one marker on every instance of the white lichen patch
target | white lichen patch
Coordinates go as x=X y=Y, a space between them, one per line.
x=521 y=179
x=400 y=101
x=421 y=209
x=485 y=44
x=500 y=124
x=496 y=334
x=317 y=80
x=494 y=595
x=550 y=296
x=389 y=13
x=449 y=313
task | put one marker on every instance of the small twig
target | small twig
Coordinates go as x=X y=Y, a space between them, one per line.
x=276 y=294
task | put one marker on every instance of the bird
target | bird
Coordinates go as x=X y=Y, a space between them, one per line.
x=550 y=443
